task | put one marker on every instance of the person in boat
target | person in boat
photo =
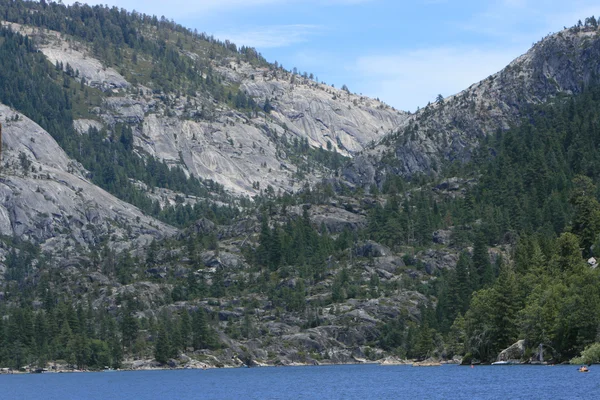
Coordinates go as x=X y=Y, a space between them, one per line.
x=583 y=368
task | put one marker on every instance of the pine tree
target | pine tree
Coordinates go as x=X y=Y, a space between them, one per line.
x=264 y=246
x=586 y=221
x=202 y=335
x=129 y=328
x=274 y=249
x=185 y=328
x=461 y=286
x=481 y=262
x=162 y=349
x=506 y=305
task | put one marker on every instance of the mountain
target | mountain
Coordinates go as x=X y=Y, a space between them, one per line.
x=235 y=143
x=177 y=126
x=46 y=198
x=169 y=199
x=450 y=130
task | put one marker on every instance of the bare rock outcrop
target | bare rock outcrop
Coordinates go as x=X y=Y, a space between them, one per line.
x=515 y=352
x=46 y=198
x=246 y=152
x=324 y=115
x=74 y=56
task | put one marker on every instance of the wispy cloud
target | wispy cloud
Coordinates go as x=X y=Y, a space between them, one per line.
x=417 y=77
x=264 y=37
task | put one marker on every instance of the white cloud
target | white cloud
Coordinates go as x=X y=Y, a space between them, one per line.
x=271 y=36
x=417 y=77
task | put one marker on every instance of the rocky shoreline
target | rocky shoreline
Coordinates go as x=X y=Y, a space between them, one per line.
x=186 y=362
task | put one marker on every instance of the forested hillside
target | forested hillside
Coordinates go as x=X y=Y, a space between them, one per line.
x=538 y=192
x=461 y=260
x=32 y=86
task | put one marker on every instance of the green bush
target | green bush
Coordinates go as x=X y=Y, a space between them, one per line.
x=591 y=355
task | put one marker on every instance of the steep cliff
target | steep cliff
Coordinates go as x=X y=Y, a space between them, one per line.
x=242 y=150
x=45 y=196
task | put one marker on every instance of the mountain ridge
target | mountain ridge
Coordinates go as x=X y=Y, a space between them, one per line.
x=449 y=130
x=311 y=270
x=326 y=117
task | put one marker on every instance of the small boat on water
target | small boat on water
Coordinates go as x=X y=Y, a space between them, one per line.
x=507 y=362
x=583 y=369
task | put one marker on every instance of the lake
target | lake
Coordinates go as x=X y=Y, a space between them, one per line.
x=322 y=382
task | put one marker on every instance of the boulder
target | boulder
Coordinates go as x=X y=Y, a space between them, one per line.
x=96 y=277
x=306 y=341
x=513 y=352
x=372 y=249
x=393 y=360
x=203 y=226
x=434 y=260
x=336 y=219
x=442 y=236
x=221 y=260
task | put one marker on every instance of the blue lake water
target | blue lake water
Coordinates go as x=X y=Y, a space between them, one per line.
x=324 y=382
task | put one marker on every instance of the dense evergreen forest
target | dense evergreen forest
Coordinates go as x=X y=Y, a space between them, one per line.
x=535 y=196
x=532 y=199
x=538 y=193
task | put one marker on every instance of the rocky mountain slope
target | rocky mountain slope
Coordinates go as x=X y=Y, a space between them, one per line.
x=107 y=254
x=45 y=196
x=449 y=130
x=325 y=274
x=243 y=151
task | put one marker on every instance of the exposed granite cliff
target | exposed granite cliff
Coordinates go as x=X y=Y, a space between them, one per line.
x=210 y=140
x=46 y=198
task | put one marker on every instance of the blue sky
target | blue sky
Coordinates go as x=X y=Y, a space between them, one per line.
x=403 y=52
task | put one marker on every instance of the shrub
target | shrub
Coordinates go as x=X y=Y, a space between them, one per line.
x=591 y=355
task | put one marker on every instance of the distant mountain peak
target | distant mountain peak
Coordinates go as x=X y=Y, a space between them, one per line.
x=560 y=64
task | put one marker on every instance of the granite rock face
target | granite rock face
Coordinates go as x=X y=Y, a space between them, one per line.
x=46 y=198
x=513 y=352
x=244 y=152
x=59 y=49
x=449 y=130
x=241 y=151
x=323 y=114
